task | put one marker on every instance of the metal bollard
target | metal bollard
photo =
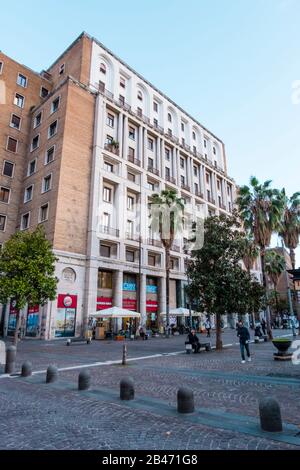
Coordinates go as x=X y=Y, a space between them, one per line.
x=185 y=401
x=126 y=389
x=26 y=369
x=124 y=358
x=270 y=415
x=52 y=374
x=84 y=380
x=10 y=359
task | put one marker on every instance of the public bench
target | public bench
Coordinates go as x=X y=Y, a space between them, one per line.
x=189 y=347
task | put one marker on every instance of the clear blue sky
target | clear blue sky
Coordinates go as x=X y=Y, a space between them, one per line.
x=229 y=63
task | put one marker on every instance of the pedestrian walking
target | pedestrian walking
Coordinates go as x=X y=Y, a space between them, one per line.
x=293 y=322
x=244 y=335
x=207 y=326
x=263 y=325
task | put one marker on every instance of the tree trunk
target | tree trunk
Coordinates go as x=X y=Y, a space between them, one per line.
x=219 y=343
x=293 y=258
x=262 y=257
x=17 y=328
x=168 y=290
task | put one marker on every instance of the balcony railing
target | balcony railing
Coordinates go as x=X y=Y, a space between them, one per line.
x=171 y=179
x=153 y=170
x=108 y=94
x=153 y=242
x=211 y=200
x=158 y=128
x=222 y=206
x=132 y=236
x=185 y=186
x=136 y=161
x=199 y=194
x=112 y=148
x=109 y=230
x=186 y=147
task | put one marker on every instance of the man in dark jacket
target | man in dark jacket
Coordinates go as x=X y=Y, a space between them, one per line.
x=194 y=341
x=244 y=335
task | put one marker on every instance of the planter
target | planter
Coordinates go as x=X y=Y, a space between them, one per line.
x=282 y=345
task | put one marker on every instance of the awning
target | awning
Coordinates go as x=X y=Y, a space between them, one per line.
x=115 y=312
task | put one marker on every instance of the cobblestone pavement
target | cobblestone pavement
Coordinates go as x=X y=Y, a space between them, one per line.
x=35 y=415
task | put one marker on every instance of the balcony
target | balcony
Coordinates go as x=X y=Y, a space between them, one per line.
x=222 y=206
x=123 y=105
x=185 y=146
x=158 y=128
x=185 y=187
x=199 y=194
x=153 y=242
x=211 y=200
x=153 y=170
x=109 y=230
x=113 y=148
x=136 y=161
x=170 y=179
x=175 y=248
x=133 y=237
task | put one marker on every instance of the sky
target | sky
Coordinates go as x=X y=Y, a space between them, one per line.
x=232 y=64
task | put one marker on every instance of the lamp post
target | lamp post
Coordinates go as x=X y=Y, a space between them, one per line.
x=287 y=284
x=188 y=284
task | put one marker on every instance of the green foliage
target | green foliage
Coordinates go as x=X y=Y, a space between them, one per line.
x=27 y=266
x=274 y=265
x=290 y=227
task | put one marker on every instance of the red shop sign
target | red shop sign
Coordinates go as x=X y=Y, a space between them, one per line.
x=129 y=304
x=12 y=307
x=103 y=302
x=151 y=305
x=34 y=309
x=66 y=301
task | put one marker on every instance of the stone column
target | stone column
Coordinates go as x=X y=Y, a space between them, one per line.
x=118 y=288
x=140 y=146
x=120 y=134
x=162 y=295
x=125 y=139
x=177 y=166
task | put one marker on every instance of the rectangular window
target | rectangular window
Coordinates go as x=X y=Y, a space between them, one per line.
x=151 y=260
x=22 y=80
x=4 y=194
x=194 y=149
x=8 y=169
x=12 y=145
x=196 y=188
x=182 y=179
x=130 y=203
x=55 y=105
x=28 y=193
x=105 y=251
x=109 y=140
x=37 y=120
x=107 y=194
x=155 y=106
x=106 y=219
x=170 y=132
x=219 y=200
x=205 y=143
x=167 y=170
x=108 y=167
x=110 y=120
x=151 y=186
x=150 y=144
x=182 y=126
x=155 y=122
x=49 y=155
x=44 y=92
x=218 y=184
x=195 y=170
x=132 y=133
x=129 y=227
x=1 y=67
x=130 y=256
x=150 y=162
x=183 y=141
x=61 y=69
x=122 y=100
x=214 y=150
x=25 y=221
x=31 y=167
x=139 y=112
x=131 y=177
x=167 y=154
x=15 y=122
x=2 y=222
x=207 y=178
x=105 y=279
x=101 y=86
x=19 y=100
x=44 y=212
x=131 y=152
x=46 y=183
x=181 y=162
x=122 y=82
x=52 y=129
x=35 y=143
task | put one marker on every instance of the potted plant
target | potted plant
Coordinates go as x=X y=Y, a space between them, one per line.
x=282 y=345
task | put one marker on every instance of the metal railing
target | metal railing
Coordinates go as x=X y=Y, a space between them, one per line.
x=154 y=242
x=199 y=194
x=109 y=230
x=136 y=161
x=185 y=186
x=112 y=148
x=132 y=236
x=153 y=170
x=211 y=200
x=171 y=179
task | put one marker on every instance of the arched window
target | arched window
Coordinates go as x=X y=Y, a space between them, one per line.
x=169 y=117
x=194 y=135
x=140 y=95
x=103 y=68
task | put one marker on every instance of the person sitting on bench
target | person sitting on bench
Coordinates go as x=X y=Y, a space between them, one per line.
x=194 y=341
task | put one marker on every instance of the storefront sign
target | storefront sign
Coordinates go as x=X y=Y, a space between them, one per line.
x=151 y=289
x=151 y=305
x=103 y=302
x=129 y=286
x=129 y=304
x=66 y=301
x=65 y=315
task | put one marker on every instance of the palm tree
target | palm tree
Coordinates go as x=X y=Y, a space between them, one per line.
x=251 y=253
x=166 y=218
x=275 y=265
x=261 y=209
x=290 y=231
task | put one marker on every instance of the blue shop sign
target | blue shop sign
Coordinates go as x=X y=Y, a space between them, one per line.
x=151 y=289
x=131 y=286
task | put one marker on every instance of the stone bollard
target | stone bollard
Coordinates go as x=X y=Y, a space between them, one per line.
x=52 y=374
x=26 y=369
x=84 y=380
x=124 y=358
x=185 y=401
x=270 y=415
x=10 y=359
x=126 y=389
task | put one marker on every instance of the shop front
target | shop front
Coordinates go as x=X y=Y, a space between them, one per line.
x=12 y=318
x=65 y=319
x=129 y=302
x=33 y=321
x=152 y=322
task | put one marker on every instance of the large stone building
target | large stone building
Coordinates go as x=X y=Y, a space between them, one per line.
x=83 y=146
